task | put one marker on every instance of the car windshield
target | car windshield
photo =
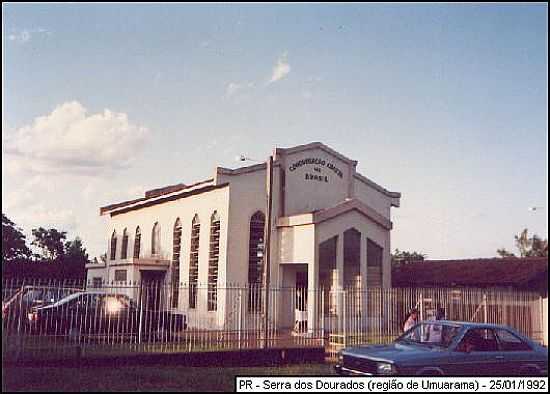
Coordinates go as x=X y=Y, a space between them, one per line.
x=110 y=301
x=39 y=295
x=430 y=334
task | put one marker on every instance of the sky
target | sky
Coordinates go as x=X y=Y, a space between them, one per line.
x=445 y=103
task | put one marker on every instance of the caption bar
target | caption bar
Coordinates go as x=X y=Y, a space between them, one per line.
x=267 y=384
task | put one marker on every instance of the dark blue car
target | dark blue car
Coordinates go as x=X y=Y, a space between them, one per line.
x=449 y=348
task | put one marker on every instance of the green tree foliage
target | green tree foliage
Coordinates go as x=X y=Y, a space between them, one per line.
x=50 y=242
x=58 y=257
x=14 y=247
x=528 y=246
x=403 y=257
x=75 y=253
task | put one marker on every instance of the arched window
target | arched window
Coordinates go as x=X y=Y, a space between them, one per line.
x=113 y=245
x=137 y=243
x=155 y=239
x=124 y=250
x=194 y=261
x=213 y=259
x=256 y=260
x=176 y=262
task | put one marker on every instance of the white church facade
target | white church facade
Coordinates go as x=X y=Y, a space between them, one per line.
x=330 y=229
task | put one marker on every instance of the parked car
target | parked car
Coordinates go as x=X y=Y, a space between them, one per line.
x=15 y=309
x=106 y=315
x=449 y=348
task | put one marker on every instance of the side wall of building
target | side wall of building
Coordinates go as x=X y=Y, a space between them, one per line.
x=166 y=214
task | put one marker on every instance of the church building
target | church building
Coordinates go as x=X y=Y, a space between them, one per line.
x=330 y=229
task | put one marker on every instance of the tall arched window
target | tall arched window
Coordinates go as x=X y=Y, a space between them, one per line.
x=155 y=239
x=256 y=260
x=176 y=262
x=194 y=261
x=137 y=243
x=113 y=245
x=124 y=250
x=213 y=259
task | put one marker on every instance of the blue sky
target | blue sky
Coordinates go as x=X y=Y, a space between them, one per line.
x=446 y=104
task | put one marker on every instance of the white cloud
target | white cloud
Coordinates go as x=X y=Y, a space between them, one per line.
x=232 y=88
x=25 y=35
x=281 y=69
x=70 y=140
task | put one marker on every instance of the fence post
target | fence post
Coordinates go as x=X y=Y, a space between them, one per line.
x=421 y=301
x=345 y=319
x=323 y=315
x=541 y=320
x=485 y=307
x=239 y=323
x=140 y=328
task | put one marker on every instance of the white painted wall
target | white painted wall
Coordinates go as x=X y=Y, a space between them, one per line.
x=372 y=197
x=303 y=195
x=165 y=214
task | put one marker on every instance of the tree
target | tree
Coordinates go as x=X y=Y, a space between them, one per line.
x=50 y=242
x=75 y=251
x=75 y=258
x=504 y=253
x=528 y=246
x=403 y=257
x=14 y=247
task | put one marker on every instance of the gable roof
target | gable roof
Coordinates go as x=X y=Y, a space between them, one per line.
x=489 y=272
x=314 y=145
x=322 y=215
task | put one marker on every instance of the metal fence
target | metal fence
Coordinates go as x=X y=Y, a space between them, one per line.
x=49 y=319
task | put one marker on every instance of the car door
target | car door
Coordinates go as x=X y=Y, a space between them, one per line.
x=517 y=356
x=476 y=354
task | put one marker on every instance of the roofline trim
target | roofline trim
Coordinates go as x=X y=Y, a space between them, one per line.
x=314 y=145
x=169 y=198
x=330 y=213
x=379 y=188
x=108 y=208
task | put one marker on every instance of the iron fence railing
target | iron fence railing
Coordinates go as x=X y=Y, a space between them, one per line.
x=49 y=318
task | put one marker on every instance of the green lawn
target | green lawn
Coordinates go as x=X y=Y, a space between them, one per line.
x=166 y=378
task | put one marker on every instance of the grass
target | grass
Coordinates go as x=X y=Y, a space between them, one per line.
x=168 y=378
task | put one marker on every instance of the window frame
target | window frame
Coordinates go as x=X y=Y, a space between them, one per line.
x=113 y=246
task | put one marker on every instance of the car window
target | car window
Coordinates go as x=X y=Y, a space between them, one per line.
x=433 y=334
x=510 y=342
x=478 y=340
x=31 y=295
x=84 y=301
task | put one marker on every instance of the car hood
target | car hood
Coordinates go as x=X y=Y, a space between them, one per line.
x=394 y=352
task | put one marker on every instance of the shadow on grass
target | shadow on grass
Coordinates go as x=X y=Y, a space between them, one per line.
x=167 y=378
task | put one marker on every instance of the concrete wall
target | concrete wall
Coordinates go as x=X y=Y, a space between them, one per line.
x=372 y=197
x=367 y=228
x=203 y=204
x=247 y=195
x=306 y=195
